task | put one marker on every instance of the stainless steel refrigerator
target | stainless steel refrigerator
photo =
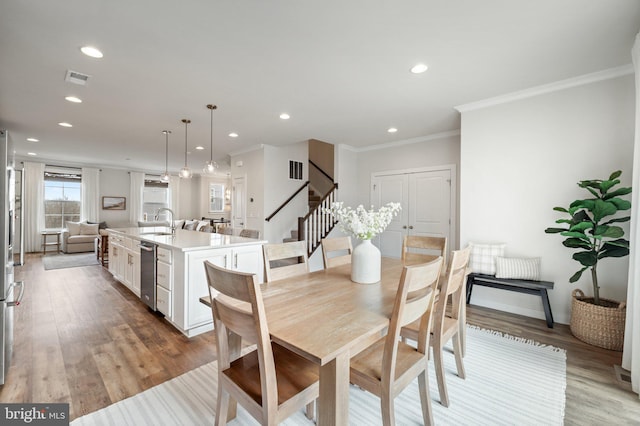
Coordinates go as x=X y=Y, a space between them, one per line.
x=11 y=292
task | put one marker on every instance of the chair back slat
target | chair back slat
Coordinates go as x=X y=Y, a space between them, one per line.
x=285 y=260
x=421 y=249
x=340 y=245
x=236 y=319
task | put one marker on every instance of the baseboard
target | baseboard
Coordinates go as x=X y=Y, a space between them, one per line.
x=623 y=377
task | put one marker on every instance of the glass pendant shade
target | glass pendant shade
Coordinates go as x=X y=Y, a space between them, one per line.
x=185 y=172
x=165 y=176
x=210 y=166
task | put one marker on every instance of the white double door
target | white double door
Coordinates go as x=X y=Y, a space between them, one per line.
x=427 y=208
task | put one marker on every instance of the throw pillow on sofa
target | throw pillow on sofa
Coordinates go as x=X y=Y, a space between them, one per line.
x=88 y=229
x=74 y=228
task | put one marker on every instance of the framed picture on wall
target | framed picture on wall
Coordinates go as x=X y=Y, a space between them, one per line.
x=114 y=203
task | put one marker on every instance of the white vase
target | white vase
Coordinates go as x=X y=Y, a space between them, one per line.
x=365 y=263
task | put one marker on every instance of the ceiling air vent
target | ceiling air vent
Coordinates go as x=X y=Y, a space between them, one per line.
x=76 y=77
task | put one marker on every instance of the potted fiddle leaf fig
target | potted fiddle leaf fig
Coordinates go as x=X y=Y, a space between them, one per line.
x=592 y=228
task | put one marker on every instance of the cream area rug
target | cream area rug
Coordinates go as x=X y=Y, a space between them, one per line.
x=509 y=381
x=62 y=261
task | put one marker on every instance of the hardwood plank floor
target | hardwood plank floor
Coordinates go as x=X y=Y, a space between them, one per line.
x=83 y=338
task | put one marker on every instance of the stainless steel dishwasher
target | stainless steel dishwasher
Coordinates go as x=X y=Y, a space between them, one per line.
x=148 y=273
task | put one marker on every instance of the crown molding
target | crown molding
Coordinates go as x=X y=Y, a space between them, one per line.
x=419 y=139
x=247 y=150
x=548 y=88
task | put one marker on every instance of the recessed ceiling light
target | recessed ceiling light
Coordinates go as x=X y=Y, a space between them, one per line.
x=32 y=154
x=392 y=130
x=233 y=135
x=419 y=68
x=285 y=116
x=33 y=140
x=63 y=124
x=74 y=99
x=91 y=51
x=199 y=148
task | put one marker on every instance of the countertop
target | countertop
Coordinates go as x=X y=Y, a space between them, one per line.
x=185 y=240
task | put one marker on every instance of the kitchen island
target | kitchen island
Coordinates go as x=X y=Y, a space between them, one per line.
x=180 y=275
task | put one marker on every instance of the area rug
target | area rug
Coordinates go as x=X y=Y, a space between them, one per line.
x=509 y=381
x=61 y=261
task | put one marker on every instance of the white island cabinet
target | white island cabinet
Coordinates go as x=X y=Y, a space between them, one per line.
x=180 y=276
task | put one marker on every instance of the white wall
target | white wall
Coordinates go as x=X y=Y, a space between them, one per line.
x=251 y=165
x=115 y=183
x=520 y=159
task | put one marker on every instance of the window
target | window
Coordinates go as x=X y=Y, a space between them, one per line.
x=154 y=197
x=62 y=197
x=216 y=197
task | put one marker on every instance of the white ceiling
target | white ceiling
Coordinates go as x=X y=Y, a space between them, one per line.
x=339 y=68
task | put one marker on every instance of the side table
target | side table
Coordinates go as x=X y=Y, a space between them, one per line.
x=46 y=243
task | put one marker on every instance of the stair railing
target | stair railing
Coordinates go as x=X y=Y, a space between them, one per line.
x=288 y=200
x=317 y=223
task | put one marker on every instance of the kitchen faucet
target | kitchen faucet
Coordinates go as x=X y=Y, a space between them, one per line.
x=173 y=225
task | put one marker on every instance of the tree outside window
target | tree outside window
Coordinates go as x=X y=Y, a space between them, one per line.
x=62 y=199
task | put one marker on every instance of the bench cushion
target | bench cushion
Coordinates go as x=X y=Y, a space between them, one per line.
x=518 y=268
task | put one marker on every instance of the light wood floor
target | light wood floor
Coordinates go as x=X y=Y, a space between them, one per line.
x=83 y=338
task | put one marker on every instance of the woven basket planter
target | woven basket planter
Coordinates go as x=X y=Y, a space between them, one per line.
x=598 y=325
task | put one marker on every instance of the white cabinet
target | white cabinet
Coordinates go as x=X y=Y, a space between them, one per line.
x=124 y=261
x=117 y=257
x=164 y=280
x=189 y=312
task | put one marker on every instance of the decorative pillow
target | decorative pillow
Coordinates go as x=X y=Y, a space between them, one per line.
x=190 y=225
x=88 y=229
x=179 y=224
x=101 y=225
x=483 y=257
x=201 y=224
x=518 y=268
x=74 y=228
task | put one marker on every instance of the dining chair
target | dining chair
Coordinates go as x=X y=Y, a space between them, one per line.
x=340 y=245
x=206 y=228
x=420 y=249
x=270 y=382
x=250 y=233
x=225 y=230
x=285 y=260
x=446 y=325
x=389 y=365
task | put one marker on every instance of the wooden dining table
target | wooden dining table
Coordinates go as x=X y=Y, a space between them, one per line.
x=326 y=318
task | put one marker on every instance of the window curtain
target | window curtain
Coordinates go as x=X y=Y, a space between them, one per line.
x=135 y=203
x=33 y=203
x=90 y=194
x=631 y=353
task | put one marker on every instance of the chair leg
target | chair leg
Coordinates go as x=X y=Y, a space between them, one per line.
x=425 y=400
x=222 y=404
x=439 y=367
x=386 y=406
x=457 y=352
x=310 y=412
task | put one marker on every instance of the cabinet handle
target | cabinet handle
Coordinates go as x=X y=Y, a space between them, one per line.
x=235 y=261
x=225 y=261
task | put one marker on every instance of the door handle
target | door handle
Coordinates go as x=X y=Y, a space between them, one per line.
x=17 y=301
x=404 y=227
x=410 y=227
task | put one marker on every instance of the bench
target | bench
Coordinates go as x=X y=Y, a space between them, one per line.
x=521 y=286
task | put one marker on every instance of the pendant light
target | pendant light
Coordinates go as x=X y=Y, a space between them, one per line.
x=165 y=175
x=185 y=172
x=211 y=166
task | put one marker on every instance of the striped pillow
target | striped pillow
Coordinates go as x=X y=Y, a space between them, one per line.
x=518 y=268
x=483 y=257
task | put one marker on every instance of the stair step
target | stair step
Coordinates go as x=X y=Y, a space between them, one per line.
x=289 y=240
x=294 y=234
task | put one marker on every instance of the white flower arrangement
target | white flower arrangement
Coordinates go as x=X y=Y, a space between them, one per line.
x=360 y=223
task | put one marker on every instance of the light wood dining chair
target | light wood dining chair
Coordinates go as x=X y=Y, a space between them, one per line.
x=446 y=326
x=225 y=230
x=285 y=260
x=389 y=365
x=420 y=249
x=270 y=382
x=250 y=233
x=340 y=245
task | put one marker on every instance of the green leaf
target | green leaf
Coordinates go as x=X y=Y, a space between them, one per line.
x=569 y=221
x=620 y=203
x=581 y=204
x=561 y=209
x=580 y=216
x=620 y=242
x=554 y=230
x=576 y=235
x=617 y=192
x=618 y=219
x=615 y=175
x=613 y=232
x=613 y=251
x=607 y=185
x=577 y=243
x=593 y=183
x=586 y=258
x=602 y=209
x=581 y=227
x=575 y=277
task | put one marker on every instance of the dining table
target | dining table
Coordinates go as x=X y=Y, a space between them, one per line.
x=326 y=318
